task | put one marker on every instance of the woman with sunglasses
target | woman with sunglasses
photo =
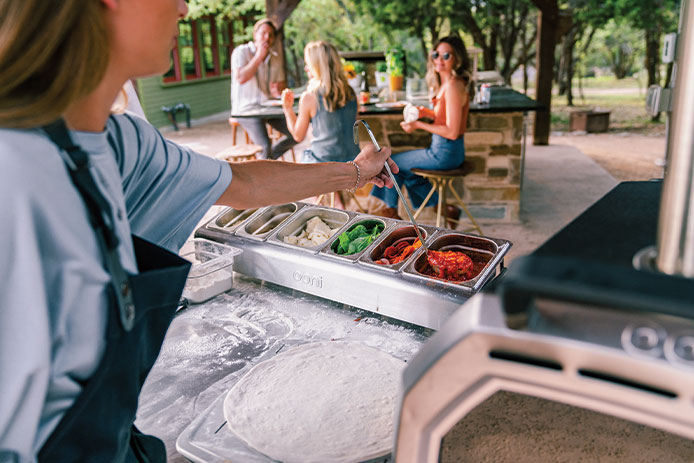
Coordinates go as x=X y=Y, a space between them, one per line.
x=85 y=304
x=448 y=76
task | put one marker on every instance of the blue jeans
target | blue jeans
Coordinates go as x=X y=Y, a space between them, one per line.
x=443 y=154
x=258 y=132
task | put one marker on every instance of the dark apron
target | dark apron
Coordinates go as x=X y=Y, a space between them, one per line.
x=99 y=427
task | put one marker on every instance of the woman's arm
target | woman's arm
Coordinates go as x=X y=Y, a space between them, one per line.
x=426 y=113
x=298 y=126
x=262 y=183
x=456 y=97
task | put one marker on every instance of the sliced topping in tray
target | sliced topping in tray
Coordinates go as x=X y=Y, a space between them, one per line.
x=316 y=232
x=358 y=238
x=399 y=251
x=449 y=265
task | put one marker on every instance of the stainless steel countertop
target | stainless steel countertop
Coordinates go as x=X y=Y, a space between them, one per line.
x=208 y=343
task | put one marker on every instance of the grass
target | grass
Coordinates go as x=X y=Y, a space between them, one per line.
x=627 y=113
x=625 y=99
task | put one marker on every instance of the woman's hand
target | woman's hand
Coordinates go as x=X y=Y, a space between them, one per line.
x=371 y=166
x=409 y=127
x=287 y=99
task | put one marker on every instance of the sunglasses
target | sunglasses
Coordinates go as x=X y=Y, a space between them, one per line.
x=445 y=56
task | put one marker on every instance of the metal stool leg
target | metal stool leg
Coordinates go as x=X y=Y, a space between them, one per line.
x=359 y=206
x=442 y=197
x=426 y=200
x=464 y=207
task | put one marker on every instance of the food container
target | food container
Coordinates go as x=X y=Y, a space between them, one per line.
x=334 y=242
x=397 y=234
x=231 y=219
x=262 y=224
x=212 y=270
x=334 y=218
x=483 y=252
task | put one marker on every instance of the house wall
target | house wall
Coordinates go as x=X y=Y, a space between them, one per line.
x=205 y=97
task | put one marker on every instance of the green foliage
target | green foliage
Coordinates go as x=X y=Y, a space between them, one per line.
x=623 y=48
x=395 y=61
x=226 y=8
x=649 y=14
x=338 y=22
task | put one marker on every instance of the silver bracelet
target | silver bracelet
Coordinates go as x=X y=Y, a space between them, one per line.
x=356 y=185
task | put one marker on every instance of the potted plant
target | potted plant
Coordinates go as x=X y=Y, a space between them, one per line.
x=395 y=64
x=381 y=75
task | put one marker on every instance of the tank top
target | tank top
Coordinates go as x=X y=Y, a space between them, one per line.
x=440 y=113
x=333 y=136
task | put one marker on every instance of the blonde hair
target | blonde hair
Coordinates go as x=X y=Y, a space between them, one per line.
x=461 y=64
x=51 y=54
x=328 y=75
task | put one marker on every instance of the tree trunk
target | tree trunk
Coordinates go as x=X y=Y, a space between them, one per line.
x=652 y=48
x=546 y=42
x=524 y=34
x=570 y=66
x=651 y=64
x=562 y=67
x=280 y=10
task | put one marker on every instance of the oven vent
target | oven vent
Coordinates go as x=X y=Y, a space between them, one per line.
x=626 y=382
x=525 y=359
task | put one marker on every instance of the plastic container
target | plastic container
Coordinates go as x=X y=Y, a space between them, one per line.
x=212 y=270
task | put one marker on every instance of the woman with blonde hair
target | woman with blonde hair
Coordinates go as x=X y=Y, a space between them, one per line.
x=328 y=104
x=449 y=77
x=84 y=303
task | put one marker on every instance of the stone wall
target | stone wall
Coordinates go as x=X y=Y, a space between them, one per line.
x=492 y=145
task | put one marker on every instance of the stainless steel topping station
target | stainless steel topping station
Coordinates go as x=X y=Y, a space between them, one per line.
x=401 y=291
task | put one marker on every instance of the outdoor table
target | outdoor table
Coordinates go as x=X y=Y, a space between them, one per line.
x=502 y=100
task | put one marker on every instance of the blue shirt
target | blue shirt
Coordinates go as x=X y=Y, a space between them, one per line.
x=333 y=133
x=52 y=281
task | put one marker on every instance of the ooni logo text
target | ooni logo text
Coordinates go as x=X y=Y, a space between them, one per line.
x=309 y=280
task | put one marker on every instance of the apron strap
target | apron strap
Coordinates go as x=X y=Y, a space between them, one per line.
x=100 y=216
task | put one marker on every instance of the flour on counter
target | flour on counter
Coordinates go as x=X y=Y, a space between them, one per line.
x=324 y=402
x=206 y=287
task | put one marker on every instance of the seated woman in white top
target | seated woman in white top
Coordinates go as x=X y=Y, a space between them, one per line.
x=328 y=104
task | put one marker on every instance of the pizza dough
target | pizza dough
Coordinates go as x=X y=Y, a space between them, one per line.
x=325 y=402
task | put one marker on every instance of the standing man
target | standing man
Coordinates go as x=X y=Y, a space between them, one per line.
x=257 y=75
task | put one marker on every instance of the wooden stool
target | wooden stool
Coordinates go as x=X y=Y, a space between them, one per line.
x=234 y=124
x=332 y=200
x=239 y=153
x=442 y=180
x=275 y=135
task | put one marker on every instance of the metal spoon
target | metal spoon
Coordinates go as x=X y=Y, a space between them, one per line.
x=392 y=177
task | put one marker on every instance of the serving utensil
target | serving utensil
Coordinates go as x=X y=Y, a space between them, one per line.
x=392 y=177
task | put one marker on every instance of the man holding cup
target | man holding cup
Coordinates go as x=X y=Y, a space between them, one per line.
x=257 y=74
